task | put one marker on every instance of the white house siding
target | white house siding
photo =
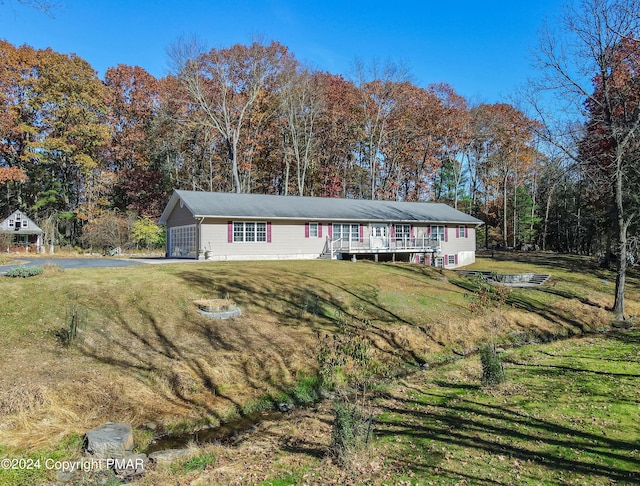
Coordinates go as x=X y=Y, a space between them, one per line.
x=288 y=242
x=462 y=248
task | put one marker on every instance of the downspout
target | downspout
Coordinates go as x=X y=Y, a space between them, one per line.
x=200 y=248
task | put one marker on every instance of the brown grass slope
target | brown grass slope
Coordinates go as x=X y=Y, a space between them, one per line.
x=143 y=352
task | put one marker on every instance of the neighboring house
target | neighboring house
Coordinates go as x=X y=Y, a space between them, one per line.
x=224 y=226
x=23 y=234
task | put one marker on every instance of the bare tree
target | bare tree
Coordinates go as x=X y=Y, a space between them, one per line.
x=301 y=105
x=379 y=86
x=226 y=85
x=588 y=52
x=43 y=6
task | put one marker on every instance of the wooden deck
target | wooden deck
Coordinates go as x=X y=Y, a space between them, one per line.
x=380 y=246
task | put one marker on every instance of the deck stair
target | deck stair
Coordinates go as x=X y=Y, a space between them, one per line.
x=539 y=278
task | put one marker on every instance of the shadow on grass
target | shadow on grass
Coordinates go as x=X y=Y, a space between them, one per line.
x=526 y=427
x=296 y=303
x=525 y=299
x=572 y=369
x=501 y=431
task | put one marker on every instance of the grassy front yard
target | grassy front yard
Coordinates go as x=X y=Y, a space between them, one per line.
x=144 y=354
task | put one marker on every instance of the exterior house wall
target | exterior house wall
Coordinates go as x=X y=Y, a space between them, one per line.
x=463 y=248
x=288 y=241
x=180 y=216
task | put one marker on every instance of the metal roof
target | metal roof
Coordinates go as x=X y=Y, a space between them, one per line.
x=260 y=206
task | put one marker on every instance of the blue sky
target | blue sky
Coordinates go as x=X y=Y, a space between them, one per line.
x=481 y=48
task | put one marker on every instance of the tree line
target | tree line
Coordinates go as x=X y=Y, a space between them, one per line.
x=251 y=118
x=76 y=149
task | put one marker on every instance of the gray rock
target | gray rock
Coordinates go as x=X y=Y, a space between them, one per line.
x=131 y=465
x=285 y=407
x=167 y=455
x=65 y=477
x=113 y=439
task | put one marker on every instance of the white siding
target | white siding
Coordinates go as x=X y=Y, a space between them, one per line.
x=288 y=241
x=464 y=248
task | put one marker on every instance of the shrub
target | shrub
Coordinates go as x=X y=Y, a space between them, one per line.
x=52 y=268
x=75 y=318
x=346 y=367
x=492 y=369
x=23 y=271
x=350 y=431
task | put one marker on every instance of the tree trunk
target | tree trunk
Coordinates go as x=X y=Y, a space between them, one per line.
x=231 y=147
x=504 y=211
x=546 y=219
x=618 y=305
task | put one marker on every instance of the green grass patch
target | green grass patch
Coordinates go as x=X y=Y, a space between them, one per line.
x=195 y=463
x=37 y=466
x=567 y=415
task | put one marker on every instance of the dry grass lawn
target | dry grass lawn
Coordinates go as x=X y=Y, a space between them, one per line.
x=144 y=354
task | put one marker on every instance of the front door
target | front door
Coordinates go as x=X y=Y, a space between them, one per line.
x=379 y=236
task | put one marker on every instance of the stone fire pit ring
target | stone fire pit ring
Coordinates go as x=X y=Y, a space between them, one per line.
x=218 y=308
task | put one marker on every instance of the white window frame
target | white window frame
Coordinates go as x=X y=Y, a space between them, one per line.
x=404 y=233
x=451 y=259
x=463 y=232
x=313 y=230
x=11 y=224
x=249 y=232
x=353 y=231
x=438 y=232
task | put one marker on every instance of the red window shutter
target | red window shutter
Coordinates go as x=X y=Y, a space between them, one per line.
x=306 y=230
x=361 y=233
x=230 y=232
x=268 y=232
x=393 y=231
x=446 y=234
x=429 y=231
x=330 y=227
x=457 y=231
x=445 y=260
x=411 y=232
x=466 y=232
x=427 y=260
x=455 y=259
x=319 y=230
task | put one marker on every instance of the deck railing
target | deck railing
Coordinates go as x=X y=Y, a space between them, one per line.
x=420 y=244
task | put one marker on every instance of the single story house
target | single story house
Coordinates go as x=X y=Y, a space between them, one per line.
x=23 y=234
x=224 y=226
